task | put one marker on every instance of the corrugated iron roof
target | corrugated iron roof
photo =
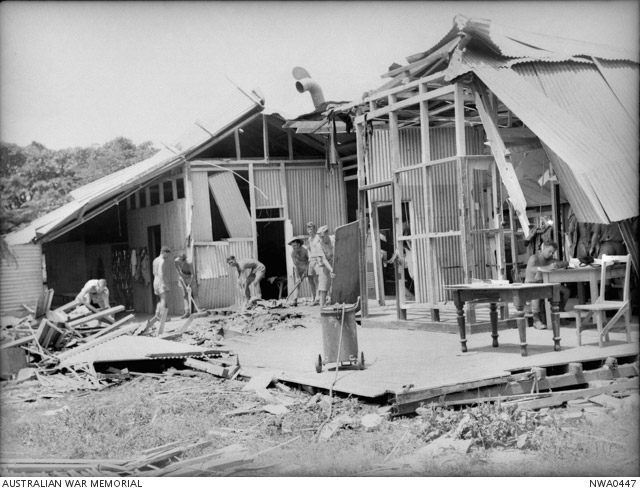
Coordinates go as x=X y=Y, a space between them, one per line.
x=581 y=100
x=129 y=348
x=234 y=109
x=510 y=42
x=580 y=120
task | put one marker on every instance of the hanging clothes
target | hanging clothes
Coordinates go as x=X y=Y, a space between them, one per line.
x=145 y=269
x=134 y=262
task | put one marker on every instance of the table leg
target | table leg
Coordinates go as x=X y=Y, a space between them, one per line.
x=555 y=323
x=463 y=338
x=593 y=289
x=582 y=299
x=547 y=311
x=493 y=315
x=522 y=328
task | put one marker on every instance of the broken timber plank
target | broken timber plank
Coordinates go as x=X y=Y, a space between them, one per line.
x=110 y=328
x=196 y=460
x=561 y=397
x=217 y=370
x=17 y=342
x=68 y=306
x=98 y=315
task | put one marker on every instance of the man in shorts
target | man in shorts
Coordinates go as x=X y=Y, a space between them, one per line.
x=250 y=272
x=185 y=281
x=315 y=257
x=161 y=276
x=300 y=258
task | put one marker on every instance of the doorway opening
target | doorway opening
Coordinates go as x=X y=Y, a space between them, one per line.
x=387 y=240
x=272 y=253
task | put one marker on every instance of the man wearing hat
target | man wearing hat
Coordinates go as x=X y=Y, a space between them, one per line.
x=161 y=272
x=300 y=258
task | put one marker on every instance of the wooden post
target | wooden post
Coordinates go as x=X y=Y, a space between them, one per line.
x=265 y=137
x=290 y=144
x=396 y=196
x=425 y=145
x=463 y=188
x=514 y=245
x=252 y=206
x=188 y=194
x=362 y=221
x=376 y=253
x=556 y=214
x=236 y=137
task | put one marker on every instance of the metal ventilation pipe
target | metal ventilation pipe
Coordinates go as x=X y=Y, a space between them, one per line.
x=304 y=83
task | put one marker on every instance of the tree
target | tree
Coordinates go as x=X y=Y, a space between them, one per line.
x=35 y=180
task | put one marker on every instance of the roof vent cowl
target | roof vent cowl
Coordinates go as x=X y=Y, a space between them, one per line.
x=304 y=83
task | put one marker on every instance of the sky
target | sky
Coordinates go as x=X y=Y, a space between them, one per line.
x=83 y=73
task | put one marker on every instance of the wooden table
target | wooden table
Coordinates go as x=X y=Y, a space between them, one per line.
x=519 y=294
x=580 y=275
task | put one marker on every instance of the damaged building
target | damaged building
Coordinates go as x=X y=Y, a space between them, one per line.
x=449 y=168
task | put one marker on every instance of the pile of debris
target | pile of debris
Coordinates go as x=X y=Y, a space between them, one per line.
x=161 y=461
x=50 y=345
x=260 y=318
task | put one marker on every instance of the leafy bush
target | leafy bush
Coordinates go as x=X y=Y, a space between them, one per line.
x=488 y=425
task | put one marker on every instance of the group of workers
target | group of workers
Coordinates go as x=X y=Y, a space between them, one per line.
x=313 y=260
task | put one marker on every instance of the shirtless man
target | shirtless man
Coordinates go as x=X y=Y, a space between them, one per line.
x=185 y=280
x=300 y=258
x=96 y=293
x=255 y=271
x=161 y=274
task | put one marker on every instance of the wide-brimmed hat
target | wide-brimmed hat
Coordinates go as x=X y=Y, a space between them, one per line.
x=322 y=229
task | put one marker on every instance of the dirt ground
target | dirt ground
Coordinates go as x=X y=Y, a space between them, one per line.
x=289 y=432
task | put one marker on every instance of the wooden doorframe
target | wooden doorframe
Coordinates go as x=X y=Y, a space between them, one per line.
x=154 y=244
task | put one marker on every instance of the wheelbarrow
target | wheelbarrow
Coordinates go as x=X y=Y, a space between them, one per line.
x=339 y=337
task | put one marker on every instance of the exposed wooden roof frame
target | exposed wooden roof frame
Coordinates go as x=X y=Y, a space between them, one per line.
x=374 y=97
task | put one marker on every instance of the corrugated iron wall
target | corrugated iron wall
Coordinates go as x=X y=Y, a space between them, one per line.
x=231 y=204
x=316 y=195
x=441 y=141
x=171 y=218
x=221 y=290
x=268 y=181
x=21 y=281
x=438 y=185
x=201 y=225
